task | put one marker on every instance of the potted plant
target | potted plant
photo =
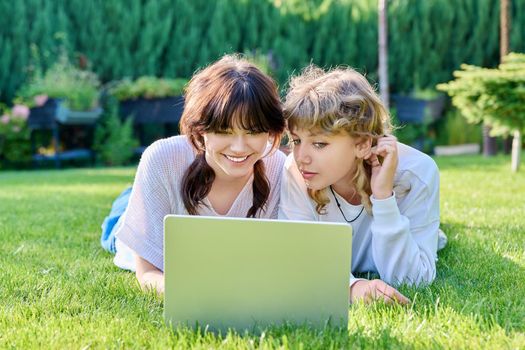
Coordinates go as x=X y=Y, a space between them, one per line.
x=151 y=100
x=75 y=91
x=419 y=105
x=14 y=134
x=434 y=102
x=65 y=101
x=409 y=109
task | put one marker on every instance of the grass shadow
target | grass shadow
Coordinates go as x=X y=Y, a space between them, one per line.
x=479 y=277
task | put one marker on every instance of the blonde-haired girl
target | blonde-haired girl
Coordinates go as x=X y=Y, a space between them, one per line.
x=346 y=167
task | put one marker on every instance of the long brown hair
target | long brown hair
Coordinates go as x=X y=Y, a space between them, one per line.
x=338 y=101
x=230 y=92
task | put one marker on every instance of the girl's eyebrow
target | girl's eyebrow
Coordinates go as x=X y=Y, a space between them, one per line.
x=311 y=134
x=319 y=133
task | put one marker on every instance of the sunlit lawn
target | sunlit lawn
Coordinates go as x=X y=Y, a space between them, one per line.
x=59 y=289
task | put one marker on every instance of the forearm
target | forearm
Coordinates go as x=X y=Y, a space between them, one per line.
x=149 y=276
x=152 y=280
x=397 y=255
x=400 y=260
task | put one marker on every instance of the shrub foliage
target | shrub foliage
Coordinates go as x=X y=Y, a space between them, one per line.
x=172 y=38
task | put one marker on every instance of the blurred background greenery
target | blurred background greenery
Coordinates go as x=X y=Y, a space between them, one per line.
x=428 y=40
x=125 y=40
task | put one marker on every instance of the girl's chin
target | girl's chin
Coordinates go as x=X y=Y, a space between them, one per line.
x=314 y=186
x=237 y=171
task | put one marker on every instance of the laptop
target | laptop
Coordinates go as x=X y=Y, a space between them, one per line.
x=247 y=274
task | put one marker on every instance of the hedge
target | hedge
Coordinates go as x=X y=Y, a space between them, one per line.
x=129 y=38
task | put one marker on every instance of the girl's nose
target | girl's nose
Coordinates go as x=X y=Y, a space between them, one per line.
x=301 y=155
x=238 y=144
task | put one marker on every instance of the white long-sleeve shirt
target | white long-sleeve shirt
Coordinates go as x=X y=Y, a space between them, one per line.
x=399 y=241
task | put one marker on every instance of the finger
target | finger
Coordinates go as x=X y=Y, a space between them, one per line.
x=387 y=140
x=394 y=295
x=383 y=150
x=373 y=160
x=403 y=300
x=370 y=294
x=368 y=154
x=387 y=297
x=387 y=137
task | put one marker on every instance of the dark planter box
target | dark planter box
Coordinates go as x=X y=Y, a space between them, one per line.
x=435 y=107
x=153 y=118
x=155 y=110
x=43 y=117
x=409 y=109
x=53 y=110
x=69 y=117
x=414 y=110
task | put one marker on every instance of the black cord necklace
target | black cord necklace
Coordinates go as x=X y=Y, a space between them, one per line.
x=341 y=210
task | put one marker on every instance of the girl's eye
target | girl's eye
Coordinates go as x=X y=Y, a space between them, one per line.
x=295 y=142
x=320 y=145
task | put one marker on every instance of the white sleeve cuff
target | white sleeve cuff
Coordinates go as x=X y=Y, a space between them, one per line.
x=385 y=211
x=354 y=280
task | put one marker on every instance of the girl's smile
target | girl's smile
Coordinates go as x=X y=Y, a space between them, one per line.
x=233 y=153
x=236 y=159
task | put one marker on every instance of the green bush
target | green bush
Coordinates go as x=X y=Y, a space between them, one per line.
x=14 y=134
x=412 y=134
x=148 y=87
x=173 y=38
x=261 y=60
x=453 y=129
x=114 y=141
x=78 y=88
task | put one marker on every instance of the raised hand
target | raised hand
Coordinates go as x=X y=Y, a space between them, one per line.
x=384 y=159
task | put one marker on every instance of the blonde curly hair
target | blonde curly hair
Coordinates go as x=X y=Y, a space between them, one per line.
x=337 y=101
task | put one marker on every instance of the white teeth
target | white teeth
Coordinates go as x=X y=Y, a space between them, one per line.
x=236 y=159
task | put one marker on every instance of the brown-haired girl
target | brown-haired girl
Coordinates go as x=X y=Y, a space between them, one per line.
x=346 y=167
x=224 y=164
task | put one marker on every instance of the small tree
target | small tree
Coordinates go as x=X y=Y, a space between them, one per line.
x=495 y=96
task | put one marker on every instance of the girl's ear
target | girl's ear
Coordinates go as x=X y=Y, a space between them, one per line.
x=201 y=141
x=363 y=146
x=274 y=141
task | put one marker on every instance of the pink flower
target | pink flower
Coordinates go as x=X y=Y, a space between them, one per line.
x=4 y=119
x=20 y=111
x=40 y=100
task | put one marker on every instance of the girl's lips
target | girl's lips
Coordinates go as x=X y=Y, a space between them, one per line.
x=307 y=175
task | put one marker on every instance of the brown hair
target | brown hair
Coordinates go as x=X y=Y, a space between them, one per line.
x=230 y=92
x=337 y=101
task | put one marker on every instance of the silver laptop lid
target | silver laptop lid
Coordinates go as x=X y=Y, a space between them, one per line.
x=242 y=273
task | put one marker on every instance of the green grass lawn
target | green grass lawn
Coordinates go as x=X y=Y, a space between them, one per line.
x=59 y=289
